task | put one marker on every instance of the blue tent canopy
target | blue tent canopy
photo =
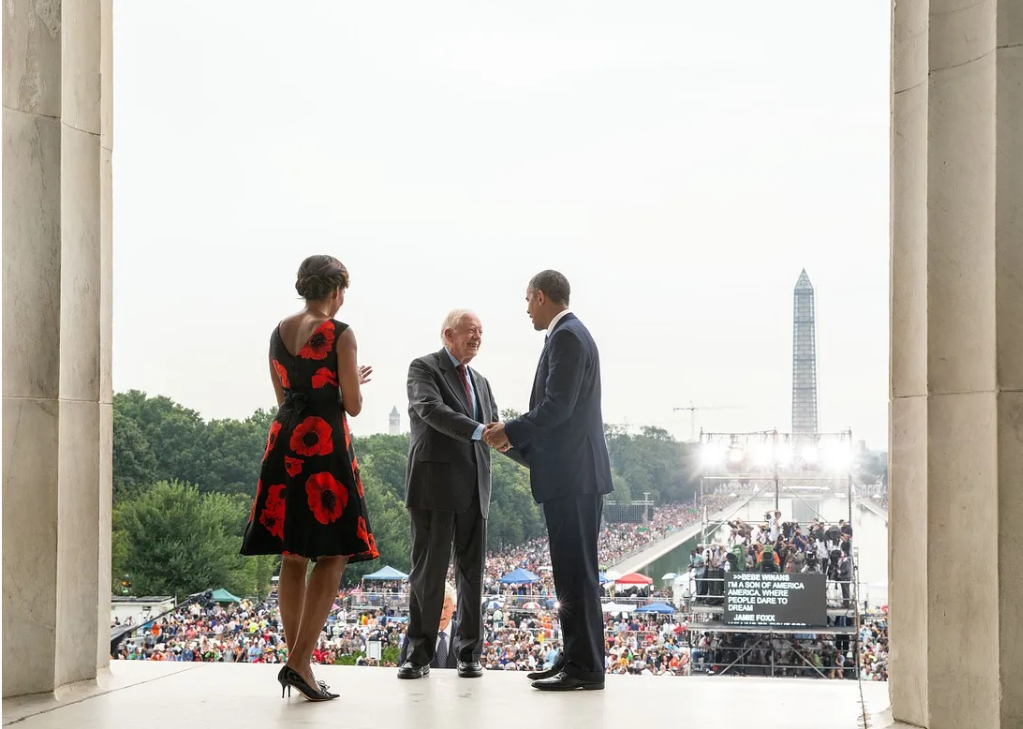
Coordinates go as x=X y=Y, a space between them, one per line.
x=518 y=577
x=602 y=578
x=656 y=607
x=387 y=573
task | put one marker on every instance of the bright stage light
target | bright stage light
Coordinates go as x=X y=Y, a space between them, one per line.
x=784 y=454
x=838 y=456
x=763 y=455
x=712 y=454
x=809 y=454
x=736 y=455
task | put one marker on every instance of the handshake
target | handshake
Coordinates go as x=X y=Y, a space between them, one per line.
x=495 y=437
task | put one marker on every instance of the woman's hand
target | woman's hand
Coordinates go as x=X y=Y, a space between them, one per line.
x=365 y=373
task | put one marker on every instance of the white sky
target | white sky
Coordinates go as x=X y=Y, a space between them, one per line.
x=680 y=162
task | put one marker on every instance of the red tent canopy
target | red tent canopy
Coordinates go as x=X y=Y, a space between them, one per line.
x=634 y=578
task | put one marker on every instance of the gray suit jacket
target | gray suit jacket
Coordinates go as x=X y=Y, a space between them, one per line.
x=442 y=471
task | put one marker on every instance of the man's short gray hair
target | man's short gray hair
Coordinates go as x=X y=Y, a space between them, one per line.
x=452 y=320
x=450 y=593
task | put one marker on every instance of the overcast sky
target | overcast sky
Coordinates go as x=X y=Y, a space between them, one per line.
x=679 y=161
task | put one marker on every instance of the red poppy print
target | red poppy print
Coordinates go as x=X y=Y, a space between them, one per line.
x=276 y=496
x=255 y=501
x=271 y=438
x=282 y=374
x=273 y=515
x=293 y=465
x=327 y=497
x=320 y=344
x=312 y=437
x=323 y=377
x=348 y=433
x=362 y=531
x=358 y=479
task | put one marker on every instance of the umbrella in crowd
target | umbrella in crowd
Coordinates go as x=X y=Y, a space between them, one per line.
x=634 y=578
x=657 y=607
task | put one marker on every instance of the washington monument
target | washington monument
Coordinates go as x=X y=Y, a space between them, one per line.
x=804 y=358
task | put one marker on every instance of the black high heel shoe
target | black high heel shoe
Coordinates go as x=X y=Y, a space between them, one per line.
x=288 y=677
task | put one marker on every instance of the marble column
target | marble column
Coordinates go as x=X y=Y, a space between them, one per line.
x=956 y=450
x=56 y=343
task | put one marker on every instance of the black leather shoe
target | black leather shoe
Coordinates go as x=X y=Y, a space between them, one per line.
x=564 y=682
x=470 y=669
x=413 y=670
x=549 y=673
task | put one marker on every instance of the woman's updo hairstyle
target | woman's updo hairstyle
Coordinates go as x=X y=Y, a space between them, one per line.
x=318 y=276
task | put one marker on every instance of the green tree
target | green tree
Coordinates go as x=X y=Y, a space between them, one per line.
x=235 y=453
x=135 y=465
x=869 y=467
x=172 y=540
x=389 y=521
x=385 y=458
x=652 y=462
x=176 y=435
x=514 y=516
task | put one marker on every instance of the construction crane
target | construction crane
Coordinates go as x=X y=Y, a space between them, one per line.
x=692 y=415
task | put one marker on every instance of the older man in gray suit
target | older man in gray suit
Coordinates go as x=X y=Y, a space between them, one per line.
x=448 y=494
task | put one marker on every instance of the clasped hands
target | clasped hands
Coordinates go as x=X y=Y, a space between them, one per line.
x=495 y=437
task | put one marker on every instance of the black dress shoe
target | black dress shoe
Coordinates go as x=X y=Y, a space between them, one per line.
x=470 y=669
x=413 y=670
x=549 y=673
x=564 y=682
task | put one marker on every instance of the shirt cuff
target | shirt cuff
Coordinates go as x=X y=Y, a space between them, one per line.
x=478 y=433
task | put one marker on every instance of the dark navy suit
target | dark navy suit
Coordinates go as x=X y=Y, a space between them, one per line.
x=562 y=439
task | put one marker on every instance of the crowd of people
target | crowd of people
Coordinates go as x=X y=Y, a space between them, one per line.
x=776 y=546
x=799 y=656
x=874 y=646
x=618 y=541
x=522 y=631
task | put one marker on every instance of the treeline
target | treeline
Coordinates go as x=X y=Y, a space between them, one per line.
x=183 y=489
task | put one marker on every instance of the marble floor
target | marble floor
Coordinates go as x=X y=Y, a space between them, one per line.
x=186 y=695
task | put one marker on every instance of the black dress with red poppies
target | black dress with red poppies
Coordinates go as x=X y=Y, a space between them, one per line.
x=309 y=499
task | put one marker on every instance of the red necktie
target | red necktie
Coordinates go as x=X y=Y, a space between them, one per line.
x=465 y=384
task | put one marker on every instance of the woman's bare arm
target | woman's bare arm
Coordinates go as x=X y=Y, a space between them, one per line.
x=276 y=380
x=348 y=373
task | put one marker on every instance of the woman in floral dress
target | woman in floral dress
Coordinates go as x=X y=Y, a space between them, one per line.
x=309 y=501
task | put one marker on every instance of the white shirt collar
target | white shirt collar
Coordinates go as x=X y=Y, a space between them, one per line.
x=561 y=315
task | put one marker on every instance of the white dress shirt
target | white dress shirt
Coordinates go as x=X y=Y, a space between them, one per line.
x=560 y=315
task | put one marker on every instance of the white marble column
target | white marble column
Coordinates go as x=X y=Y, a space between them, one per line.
x=106 y=315
x=56 y=344
x=956 y=471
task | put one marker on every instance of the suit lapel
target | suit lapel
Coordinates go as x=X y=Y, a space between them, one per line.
x=537 y=382
x=454 y=381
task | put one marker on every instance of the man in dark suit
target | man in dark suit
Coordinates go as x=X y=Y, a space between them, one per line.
x=443 y=655
x=562 y=439
x=447 y=492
